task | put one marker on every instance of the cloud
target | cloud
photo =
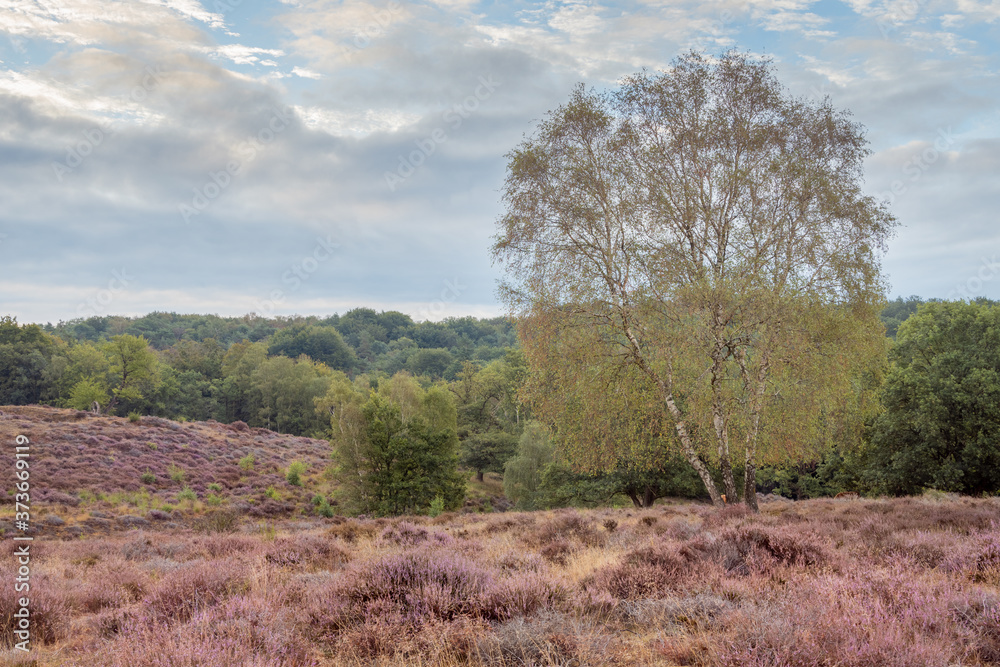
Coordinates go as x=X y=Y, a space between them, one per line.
x=131 y=111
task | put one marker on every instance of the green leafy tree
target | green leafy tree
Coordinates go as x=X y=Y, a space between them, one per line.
x=705 y=230
x=523 y=473
x=431 y=363
x=240 y=400
x=26 y=353
x=395 y=446
x=86 y=393
x=323 y=344
x=286 y=391
x=133 y=369
x=941 y=424
x=488 y=452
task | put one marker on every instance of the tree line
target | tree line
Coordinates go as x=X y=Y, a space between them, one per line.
x=928 y=419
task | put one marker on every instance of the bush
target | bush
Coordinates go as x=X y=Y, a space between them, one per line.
x=219 y=521
x=437 y=507
x=176 y=473
x=294 y=474
x=247 y=462
x=187 y=494
x=135 y=417
x=148 y=477
x=215 y=487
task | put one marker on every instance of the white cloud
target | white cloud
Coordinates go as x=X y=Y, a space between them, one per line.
x=306 y=73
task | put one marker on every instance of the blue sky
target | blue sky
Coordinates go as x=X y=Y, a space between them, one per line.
x=310 y=156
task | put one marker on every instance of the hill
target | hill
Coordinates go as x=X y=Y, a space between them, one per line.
x=143 y=469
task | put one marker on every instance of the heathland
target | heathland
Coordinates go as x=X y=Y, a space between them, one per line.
x=128 y=572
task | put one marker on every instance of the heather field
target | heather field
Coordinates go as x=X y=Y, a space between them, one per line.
x=159 y=580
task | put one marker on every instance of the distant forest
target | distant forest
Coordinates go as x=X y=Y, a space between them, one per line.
x=287 y=373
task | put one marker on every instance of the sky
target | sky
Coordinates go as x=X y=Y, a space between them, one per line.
x=311 y=156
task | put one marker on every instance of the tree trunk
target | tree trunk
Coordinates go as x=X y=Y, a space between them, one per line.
x=479 y=475
x=635 y=499
x=648 y=498
x=719 y=415
x=750 y=483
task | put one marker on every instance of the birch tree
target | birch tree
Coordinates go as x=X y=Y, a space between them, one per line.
x=702 y=229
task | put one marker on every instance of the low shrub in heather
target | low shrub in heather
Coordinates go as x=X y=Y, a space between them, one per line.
x=50 y=613
x=190 y=589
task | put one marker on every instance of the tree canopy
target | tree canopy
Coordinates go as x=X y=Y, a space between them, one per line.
x=941 y=425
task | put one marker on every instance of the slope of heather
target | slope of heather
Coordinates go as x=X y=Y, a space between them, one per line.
x=79 y=460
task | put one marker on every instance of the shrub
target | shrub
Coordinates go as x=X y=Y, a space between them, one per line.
x=247 y=462
x=272 y=493
x=184 y=591
x=187 y=494
x=50 y=614
x=148 y=477
x=219 y=521
x=437 y=507
x=647 y=572
x=214 y=486
x=135 y=417
x=294 y=474
x=213 y=500
x=175 y=472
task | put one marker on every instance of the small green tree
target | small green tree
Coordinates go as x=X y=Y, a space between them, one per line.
x=396 y=447
x=523 y=474
x=488 y=452
x=295 y=472
x=87 y=392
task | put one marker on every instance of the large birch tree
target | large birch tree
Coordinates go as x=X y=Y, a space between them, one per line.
x=705 y=235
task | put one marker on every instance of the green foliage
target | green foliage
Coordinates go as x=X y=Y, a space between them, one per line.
x=148 y=477
x=87 y=392
x=285 y=391
x=436 y=507
x=396 y=446
x=26 y=363
x=134 y=369
x=431 y=362
x=272 y=493
x=488 y=452
x=176 y=473
x=294 y=474
x=187 y=494
x=322 y=344
x=213 y=499
x=625 y=276
x=523 y=473
x=215 y=486
x=135 y=416
x=247 y=462
x=941 y=424
x=561 y=486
